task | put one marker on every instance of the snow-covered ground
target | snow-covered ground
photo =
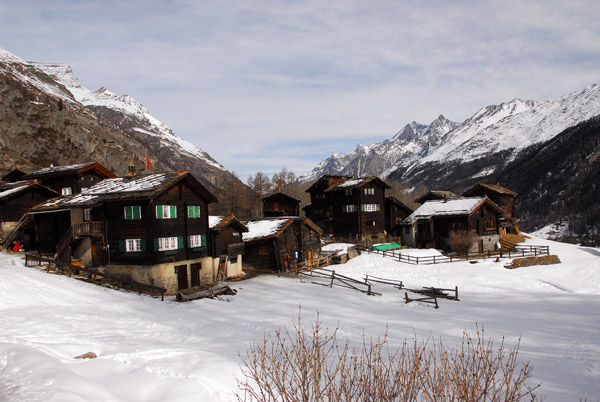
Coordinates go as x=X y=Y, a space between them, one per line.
x=150 y=350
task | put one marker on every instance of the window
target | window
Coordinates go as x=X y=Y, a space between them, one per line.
x=166 y=211
x=196 y=241
x=167 y=243
x=87 y=214
x=193 y=211
x=369 y=191
x=348 y=191
x=132 y=245
x=66 y=191
x=133 y=212
x=349 y=208
x=370 y=207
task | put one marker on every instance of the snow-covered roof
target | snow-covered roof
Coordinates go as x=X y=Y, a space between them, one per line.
x=12 y=190
x=60 y=169
x=352 y=182
x=8 y=189
x=264 y=228
x=462 y=206
x=213 y=221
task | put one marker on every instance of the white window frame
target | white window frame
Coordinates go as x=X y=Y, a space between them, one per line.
x=66 y=191
x=369 y=191
x=87 y=214
x=370 y=207
x=350 y=208
x=166 y=212
x=167 y=243
x=133 y=245
x=196 y=241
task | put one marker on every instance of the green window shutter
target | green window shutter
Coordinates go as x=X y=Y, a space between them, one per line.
x=180 y=242
x=156 y=244
x=122 y=246
x=203 y=240
x=189 y=241
x=143 y=244
x=362 y=207
x=136 y=212
x=173 y=211
x=190 y=211
x=378 y=207
x=127 y=212
x=159 y=211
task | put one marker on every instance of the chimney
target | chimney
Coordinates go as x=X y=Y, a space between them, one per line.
x=131 y=169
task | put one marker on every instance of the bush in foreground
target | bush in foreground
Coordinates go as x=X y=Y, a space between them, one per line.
x=311 y=365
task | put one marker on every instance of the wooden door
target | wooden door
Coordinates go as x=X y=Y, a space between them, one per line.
x=182 y=277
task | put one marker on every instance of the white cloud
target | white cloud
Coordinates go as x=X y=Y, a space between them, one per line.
x=238 y=78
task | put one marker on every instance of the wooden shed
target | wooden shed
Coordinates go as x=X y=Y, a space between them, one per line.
x=502 y=197
x=227 y=245
x=278 y=244
x=280 y=204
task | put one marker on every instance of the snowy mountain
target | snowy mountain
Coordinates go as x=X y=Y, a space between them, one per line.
x=503 y=129
x=47 y=104
x=413 y=141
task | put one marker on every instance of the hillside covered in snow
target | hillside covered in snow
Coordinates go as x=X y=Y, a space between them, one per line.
x=150 y=350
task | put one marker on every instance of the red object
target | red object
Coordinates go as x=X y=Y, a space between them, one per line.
x=17 y=246
x=147 y=162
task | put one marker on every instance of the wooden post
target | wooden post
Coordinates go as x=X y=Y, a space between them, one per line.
x=332 y=278
x=369 y=290
x=456 y=292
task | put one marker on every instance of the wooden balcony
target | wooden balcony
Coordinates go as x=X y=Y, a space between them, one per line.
x=93 y=229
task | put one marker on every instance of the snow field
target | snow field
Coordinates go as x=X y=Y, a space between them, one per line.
x=150 y=350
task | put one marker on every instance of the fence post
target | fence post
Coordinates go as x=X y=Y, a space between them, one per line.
x=332 y=278
x=369 y=290
x=434 y=259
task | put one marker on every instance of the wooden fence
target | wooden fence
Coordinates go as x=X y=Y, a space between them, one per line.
x=118 y=280
x=516 y=251
x=337 y=279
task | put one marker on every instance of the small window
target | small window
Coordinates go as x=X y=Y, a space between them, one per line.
x=193 y=211
x=348 y=191
x=167 y=243
x=133 y=245
x=349 y=208
x=66 y=191
x=87 y=214
x=133 y=212
x=196 y=241
x=370 y=207
x=369 y=191
x=166 y=211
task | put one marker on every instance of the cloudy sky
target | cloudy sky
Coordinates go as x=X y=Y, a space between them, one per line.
x=262 y=85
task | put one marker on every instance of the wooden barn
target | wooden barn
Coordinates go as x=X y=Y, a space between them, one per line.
x=436 y=222
x=227 y=245
x=280 y=204
x=15 y=200
x=502 y=197
x=153 y=229
x=278 y=244
x=71 y=179
x=348 y=207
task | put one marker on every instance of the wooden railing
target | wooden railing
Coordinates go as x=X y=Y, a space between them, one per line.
x=309 y=265
x=88 y=229
x=119 y=280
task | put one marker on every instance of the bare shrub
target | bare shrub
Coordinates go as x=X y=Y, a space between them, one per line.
x=461 y=241
x=300 y=365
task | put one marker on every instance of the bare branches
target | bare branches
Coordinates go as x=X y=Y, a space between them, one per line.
x=293 y=365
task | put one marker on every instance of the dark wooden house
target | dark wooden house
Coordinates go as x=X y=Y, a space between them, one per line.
x=14 y=175
x=437 y=195
x=151 y=228
x=434 y=223
x=71 y=179
x=15 y=200
x=502 y=197
x=395 y=213
x=348 y=207
x=227 y=245
x=280 y=204
x=279 y=244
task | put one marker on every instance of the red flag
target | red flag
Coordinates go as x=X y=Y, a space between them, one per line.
x=147 y=162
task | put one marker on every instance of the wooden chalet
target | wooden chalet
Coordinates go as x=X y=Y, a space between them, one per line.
x=153 y=229
x=280 y=204
x=502 y=197
x=14 y=175
x=431 y=225
x=279 y=244
x=71 y=179
x=348 y=207
x=437 y=195
x=395 y=213
x=227 y=245
x=15 y=200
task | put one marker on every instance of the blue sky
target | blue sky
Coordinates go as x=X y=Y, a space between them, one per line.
x=262 y=85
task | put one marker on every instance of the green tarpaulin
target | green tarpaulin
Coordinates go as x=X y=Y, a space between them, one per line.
x=388 y=246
